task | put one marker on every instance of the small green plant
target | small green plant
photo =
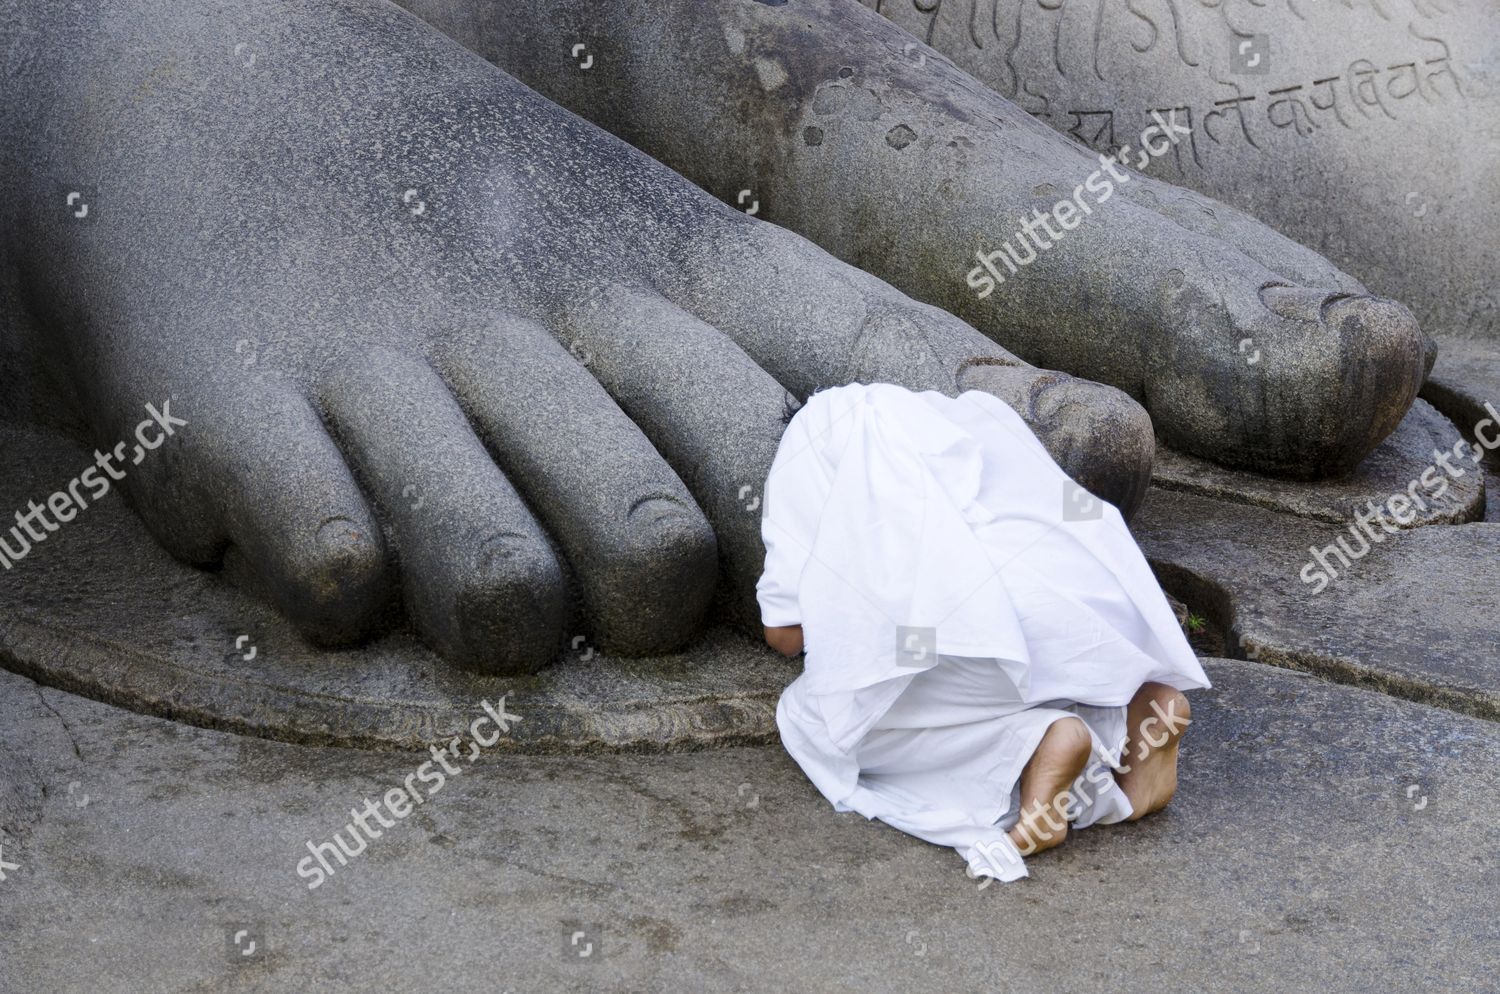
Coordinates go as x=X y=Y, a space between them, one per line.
x=1195 y=622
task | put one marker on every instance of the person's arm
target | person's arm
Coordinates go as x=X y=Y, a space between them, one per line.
x=795 y=491
x=787 y=640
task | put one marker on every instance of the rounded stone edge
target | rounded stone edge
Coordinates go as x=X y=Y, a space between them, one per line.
x=1183 y=473
x=97 y=668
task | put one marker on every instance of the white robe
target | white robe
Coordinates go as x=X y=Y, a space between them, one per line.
x=951 y=611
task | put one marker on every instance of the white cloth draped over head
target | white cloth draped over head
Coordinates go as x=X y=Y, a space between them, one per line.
x=957 y=593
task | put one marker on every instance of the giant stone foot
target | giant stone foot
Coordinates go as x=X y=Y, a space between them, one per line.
x=428 y=331
x=1368 y=130
x=1246 y=348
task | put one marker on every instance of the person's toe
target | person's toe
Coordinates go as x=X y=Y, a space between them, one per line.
x=293 y=511
x=1278 y=379
x=1096 y=433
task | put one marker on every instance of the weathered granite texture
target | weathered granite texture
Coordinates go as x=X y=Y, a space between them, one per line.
x=1321 y=835
x=1368 y=130
x=1465 y=383
x=1413 y=615
x=430 y=338
x=1492 y=492
x=99 y=609
x=1247 y=349
x=1396 y=463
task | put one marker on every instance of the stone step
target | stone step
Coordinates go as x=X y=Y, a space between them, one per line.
x=1396 y=464
x=1414 y=616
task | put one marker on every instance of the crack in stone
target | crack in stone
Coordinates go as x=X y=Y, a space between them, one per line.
x=61 y=721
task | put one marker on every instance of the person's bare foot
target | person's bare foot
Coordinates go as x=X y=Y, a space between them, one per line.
x=1157 y=717
x=1046 y=800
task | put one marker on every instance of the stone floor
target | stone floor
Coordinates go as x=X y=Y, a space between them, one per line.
x=1335 y=829
x=1324 y=837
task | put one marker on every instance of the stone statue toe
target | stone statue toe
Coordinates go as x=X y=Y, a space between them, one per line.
x=855 y=134
x=438 y=342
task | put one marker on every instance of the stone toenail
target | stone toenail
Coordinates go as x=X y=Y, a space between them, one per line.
x=650 y=511
x=1333 y=300
x=1297 y=303
x=1287 y=301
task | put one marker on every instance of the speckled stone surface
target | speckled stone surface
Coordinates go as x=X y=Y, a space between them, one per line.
x=1303 y=114
x=1322 y=837
x=431 y=336
x=1464 y=379
x=1414 y=616
x=1246 y=348
x=99 y=609
x=1390 y=469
